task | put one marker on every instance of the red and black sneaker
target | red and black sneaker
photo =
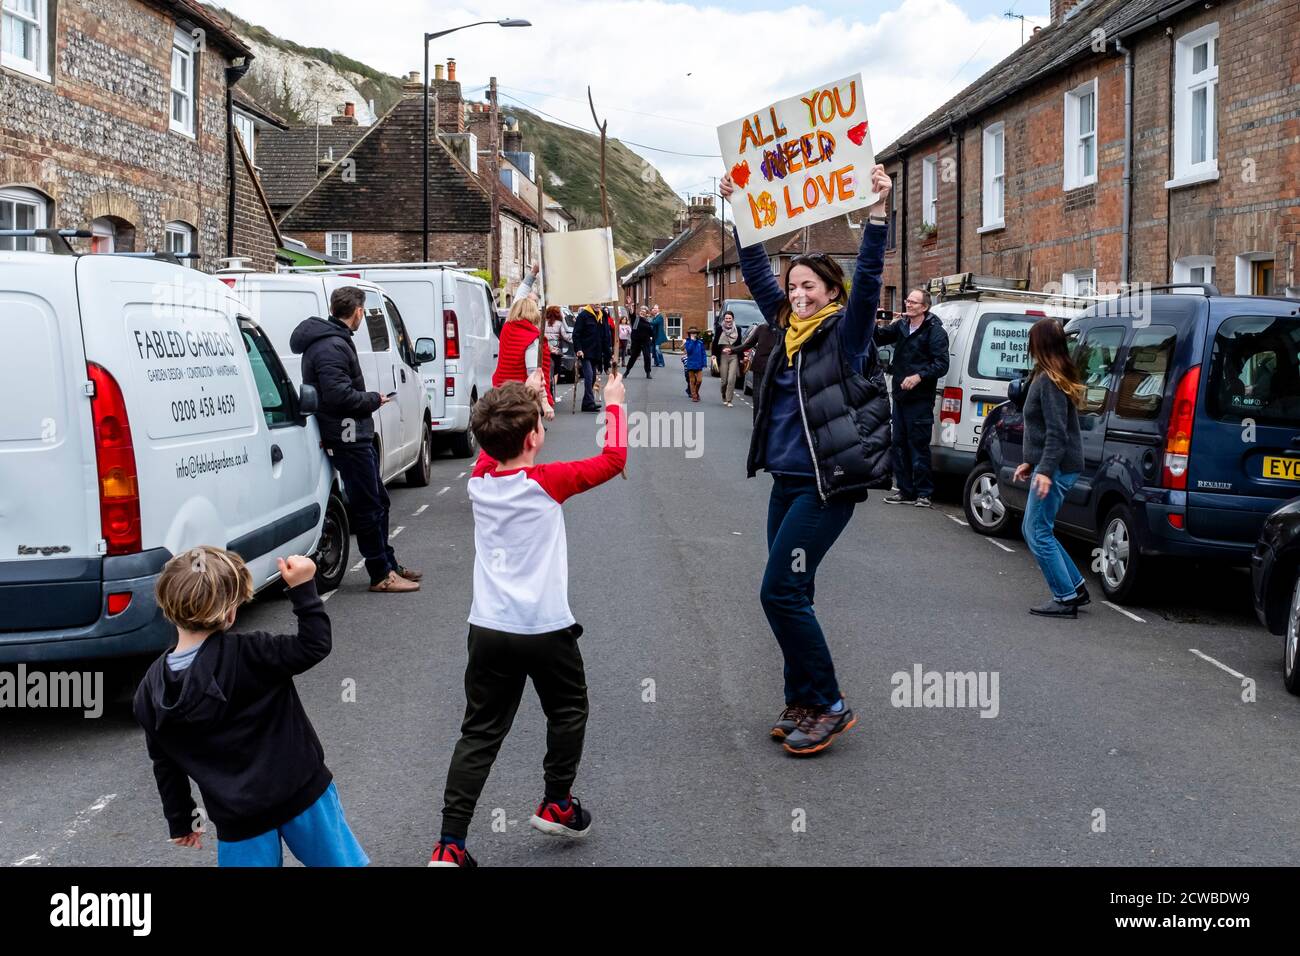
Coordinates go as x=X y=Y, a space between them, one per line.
x=448 y=854
x=573 y=822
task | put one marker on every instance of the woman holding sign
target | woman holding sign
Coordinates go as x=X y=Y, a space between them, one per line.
x=822 y=432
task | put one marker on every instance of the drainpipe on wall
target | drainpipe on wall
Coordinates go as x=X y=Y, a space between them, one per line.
x=957 y=133
x=1127 y=229
x=233 y=75
x=906 y=236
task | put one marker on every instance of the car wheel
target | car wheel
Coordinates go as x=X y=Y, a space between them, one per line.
x=463 y=444
x=1290 y=674
x=335 y=546
x=417 y=476
x=1120 y=556
x=986 y=512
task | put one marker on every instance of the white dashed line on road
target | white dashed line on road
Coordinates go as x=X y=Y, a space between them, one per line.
x=420 y=510
x=956 y=519
x=1128 y=614
x=444 y=491
x=999 y=544
x=1219 y=664
x=69 y=832
x=357 y=567
x=327 y=595
x=461 y=475
x=398 y=530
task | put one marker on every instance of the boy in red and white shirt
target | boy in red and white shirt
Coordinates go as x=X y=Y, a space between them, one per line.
x=520 y=622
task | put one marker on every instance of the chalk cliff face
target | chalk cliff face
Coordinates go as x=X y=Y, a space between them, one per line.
x=306 y=86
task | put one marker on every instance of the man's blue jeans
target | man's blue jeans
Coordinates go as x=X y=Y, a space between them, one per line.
x=800 y=530
x=658 y=355
x=1062 y=575
x=588 y=380
x=913 y=422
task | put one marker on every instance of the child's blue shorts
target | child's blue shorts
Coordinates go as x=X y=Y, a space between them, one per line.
x=319 y=836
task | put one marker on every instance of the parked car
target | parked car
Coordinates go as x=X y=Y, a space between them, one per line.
x=281 y=301
x=988 y=322
x=1191 y=432
x=452 y=318
x=146 y=413
x=1275 y=573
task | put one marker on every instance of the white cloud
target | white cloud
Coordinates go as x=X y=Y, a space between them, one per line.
x=702 y=65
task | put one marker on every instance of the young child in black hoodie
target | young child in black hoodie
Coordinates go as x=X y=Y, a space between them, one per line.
x=221 y=708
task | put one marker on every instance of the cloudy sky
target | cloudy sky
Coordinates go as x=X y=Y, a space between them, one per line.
x=667 y=74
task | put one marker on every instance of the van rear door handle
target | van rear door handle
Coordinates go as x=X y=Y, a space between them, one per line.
x=277 y=456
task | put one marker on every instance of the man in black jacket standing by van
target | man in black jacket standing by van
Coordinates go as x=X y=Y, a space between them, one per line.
x=920 y=360
x=589 y=344
x=331 y=366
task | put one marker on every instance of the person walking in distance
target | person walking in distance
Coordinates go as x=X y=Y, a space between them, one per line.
x=726 y=352
x=661 y=335
x=822 y=433
x=642 y=342
x=589 y=343
x=330 y=365
x=556 y=336
x=1053 y=451
x=920 y=360
x=695 y=360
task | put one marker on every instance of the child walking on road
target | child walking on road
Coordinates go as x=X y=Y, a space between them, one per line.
x=695 y=359
x=221 y=708
x=520 y=623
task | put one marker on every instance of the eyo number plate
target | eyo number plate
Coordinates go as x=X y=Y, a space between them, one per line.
x=1288 y=469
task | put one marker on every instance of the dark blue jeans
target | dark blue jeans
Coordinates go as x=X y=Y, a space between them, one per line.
x=800 y=530
x=913 y=421
x=588 y=380
x=358 y=465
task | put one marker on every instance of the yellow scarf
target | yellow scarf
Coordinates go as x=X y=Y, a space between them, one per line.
x=799 y=330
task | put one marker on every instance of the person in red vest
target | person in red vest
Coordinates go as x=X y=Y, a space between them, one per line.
x=524 y=349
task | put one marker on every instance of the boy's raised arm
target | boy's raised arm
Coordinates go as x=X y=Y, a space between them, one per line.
x=290 y=654
x=564 y=479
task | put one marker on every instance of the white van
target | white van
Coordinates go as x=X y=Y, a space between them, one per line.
x=988 y=346
x=280 y=302
x=142 y=412
x=450 y=315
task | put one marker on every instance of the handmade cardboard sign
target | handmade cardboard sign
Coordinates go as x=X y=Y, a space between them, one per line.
x=801 y=161
x=580 y=267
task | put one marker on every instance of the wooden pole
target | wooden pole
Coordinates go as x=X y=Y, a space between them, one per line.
x=604 y=208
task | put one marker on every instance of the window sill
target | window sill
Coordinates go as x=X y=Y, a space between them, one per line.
x=1207 y=175
x=991 y=227
x=1081 y=184
x=22 y=69
x=182 y=131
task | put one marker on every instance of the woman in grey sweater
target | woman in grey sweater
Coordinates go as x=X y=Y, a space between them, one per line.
x=1054 y=454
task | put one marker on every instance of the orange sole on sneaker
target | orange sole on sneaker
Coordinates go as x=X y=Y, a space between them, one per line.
x=823 y=745
x=778 y=734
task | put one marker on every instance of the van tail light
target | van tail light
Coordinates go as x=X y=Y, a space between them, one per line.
x=1038 y=312
x=228 y=281
x=950 y=408
x=451 y=334
x=1178 y=443
x=349 y=275
x=449 y=387
x=119 y=488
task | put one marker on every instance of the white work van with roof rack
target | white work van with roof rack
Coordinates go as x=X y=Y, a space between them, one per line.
x=987 y=319
x=143 y=412
x=452 y=319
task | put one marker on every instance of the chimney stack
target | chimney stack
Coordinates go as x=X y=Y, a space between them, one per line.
x=1060 y=8
x=451 y=70
x=451 y=113
x=437 y=71
x=701 y=207
x=348 y=117
x=413 y=85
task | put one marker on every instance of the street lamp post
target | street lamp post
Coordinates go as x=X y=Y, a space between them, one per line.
x=505 y=22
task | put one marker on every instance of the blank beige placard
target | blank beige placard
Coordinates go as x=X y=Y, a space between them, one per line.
x=580 y=267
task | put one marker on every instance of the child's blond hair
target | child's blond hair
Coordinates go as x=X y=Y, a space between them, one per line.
x=199 y=587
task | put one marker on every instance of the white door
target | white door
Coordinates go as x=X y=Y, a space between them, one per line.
x=388 y=420
x=410 y=388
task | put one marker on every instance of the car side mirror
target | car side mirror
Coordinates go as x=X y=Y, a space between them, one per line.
x=1018 y=390
x=308 y=400
x=426 y=350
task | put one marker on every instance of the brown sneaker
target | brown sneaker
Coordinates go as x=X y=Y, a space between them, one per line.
x=410 y=573
x=394 y=583
x=818 y=730
x=790 y=718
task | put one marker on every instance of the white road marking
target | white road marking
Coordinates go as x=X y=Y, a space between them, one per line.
x=999 y=544
x=327 y=595
x=736 y=532
x=420 y=510
x=461 y=475
x=70 y=832
x=398 y=530
x=1128 y=614
x=358 y=566
x=443 y=492
x=1218 y=664
x=956 y=519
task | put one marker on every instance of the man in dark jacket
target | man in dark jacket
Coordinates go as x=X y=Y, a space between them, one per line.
x=589 y=344
x=331 y=366
x=642 y=343
x=920 y=360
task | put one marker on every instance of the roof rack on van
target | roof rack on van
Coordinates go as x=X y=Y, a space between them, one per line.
x=58 y=238
x=968 y=284
x=1205 y=288
x=354 y=266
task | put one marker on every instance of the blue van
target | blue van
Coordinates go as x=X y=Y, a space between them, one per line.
x=1191 y=432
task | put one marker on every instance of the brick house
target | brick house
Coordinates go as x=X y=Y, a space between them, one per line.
x=115 y=118
x=367 y=206
x=672 y=275
x=839 y=238
x=293 y=159
x=1029 y=171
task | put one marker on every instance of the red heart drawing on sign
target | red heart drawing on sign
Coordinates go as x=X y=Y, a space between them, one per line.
x=858 y=133
x=740 y=174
